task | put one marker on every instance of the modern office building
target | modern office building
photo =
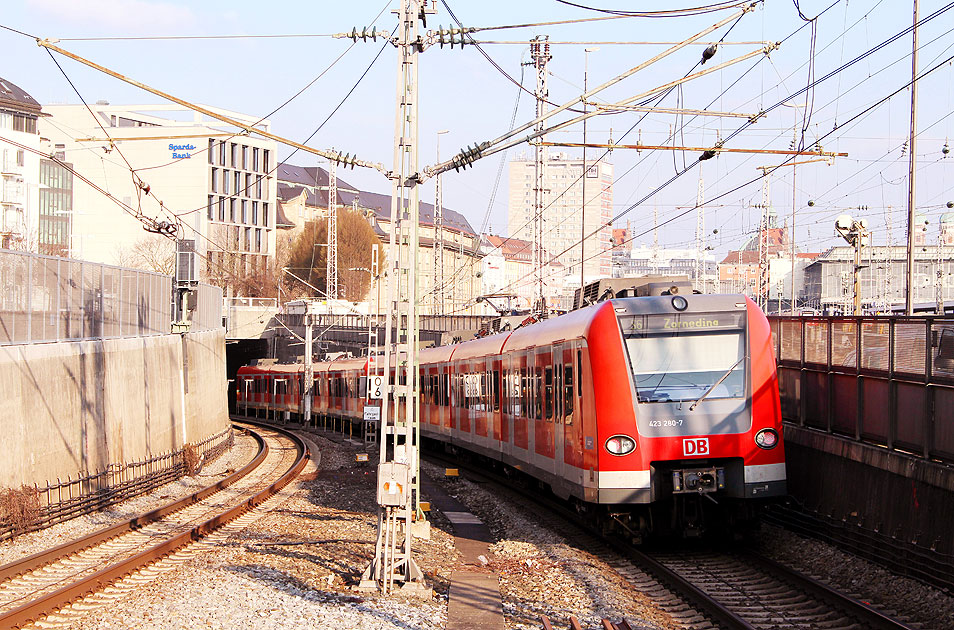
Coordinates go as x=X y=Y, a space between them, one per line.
x=166 y=163
x=567 y=215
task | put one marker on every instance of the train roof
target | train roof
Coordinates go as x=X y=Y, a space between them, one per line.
x=662 y=304
x=482 y=347
x=436 y=354
x=573 y=325
x=273 y=368
x=340 y=364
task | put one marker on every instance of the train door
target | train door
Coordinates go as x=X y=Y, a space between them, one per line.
x=508 y=398
x=557 y=396
x=454 y=391
x=495 y=407
x=444 y=388
x=543 y=408
x=588 y=420
x=521 y=420
x=482 y=415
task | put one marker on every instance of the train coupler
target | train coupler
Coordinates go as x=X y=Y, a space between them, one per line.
x=698 y=481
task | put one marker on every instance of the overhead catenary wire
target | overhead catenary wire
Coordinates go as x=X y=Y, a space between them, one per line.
x=827 y=76
x=658 y=99
x=681 y=12
x=159 y=227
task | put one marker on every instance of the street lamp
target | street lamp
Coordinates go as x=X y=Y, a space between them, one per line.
x=791 y=236
x=857 y=234
x=586 y=68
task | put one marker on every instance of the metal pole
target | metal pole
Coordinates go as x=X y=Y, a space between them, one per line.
x=855 y=283
x=309 y=372
x=331 y=273
x=540 y=52
x=439 y=234
x=586 y=67
x=398 y=479
x=791 y=237
x=912 y=139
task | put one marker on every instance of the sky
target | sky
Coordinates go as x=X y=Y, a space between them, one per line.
x=463 y=93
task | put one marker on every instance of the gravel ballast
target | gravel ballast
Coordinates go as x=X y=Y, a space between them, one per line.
x=297 y=565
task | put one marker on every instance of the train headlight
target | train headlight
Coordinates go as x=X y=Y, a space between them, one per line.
x=680 y=303
x=767 y=439
x=620 y=445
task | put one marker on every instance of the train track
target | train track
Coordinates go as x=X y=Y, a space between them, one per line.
x=35 y=587
x=734 y=589
x=744 y=591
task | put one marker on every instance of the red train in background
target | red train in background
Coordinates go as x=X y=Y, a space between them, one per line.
x=661 y=410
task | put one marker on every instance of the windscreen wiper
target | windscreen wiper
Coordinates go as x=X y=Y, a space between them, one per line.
x=716 y=384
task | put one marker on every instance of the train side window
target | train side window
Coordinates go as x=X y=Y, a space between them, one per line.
x=548 y=393
x=524 y=392
x=496 y=389
x=579 y=373
x=538 y=393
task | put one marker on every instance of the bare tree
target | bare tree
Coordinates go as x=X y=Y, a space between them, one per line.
x=308 y=255
x=152 y=253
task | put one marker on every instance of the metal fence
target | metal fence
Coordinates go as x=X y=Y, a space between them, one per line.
x=208 y=310
x=47 y=298
x=882 y=380
x=62 y=500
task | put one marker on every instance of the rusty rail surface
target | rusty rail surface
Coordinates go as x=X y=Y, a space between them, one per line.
x=605 y=624
x=34 y=610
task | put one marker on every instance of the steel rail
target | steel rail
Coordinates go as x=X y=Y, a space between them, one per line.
x=37 y=560
x=680 y=586
x=45 y=605
x=867 y=616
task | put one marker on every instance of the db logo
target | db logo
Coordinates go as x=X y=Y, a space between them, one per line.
x=695 y=446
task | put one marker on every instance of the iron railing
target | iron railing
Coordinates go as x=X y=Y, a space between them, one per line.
x=887 y=381
x=61 y=500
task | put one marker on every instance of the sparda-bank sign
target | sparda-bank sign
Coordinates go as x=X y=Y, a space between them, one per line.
x=181 y=151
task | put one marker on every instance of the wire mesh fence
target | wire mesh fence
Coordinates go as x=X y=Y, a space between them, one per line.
x=46 y=298
x=208 y=311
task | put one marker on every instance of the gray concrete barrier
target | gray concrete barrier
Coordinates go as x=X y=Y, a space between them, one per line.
x=74 y=407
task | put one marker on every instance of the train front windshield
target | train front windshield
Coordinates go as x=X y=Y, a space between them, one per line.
x=680 y=357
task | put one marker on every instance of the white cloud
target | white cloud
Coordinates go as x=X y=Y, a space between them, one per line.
x=119 y=16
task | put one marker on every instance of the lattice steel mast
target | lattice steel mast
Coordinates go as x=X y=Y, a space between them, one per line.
x=540 y=53
x=398 y=464
x=332 y=262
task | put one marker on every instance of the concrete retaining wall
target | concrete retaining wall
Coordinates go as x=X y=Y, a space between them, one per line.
x=872 y=488
x=71 y=407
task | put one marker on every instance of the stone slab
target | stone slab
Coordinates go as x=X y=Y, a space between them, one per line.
x=474 y=602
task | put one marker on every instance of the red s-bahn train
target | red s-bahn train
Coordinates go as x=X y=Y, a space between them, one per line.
x=663 y=411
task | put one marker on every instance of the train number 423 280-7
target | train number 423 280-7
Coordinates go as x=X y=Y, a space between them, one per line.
x=666 y=423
